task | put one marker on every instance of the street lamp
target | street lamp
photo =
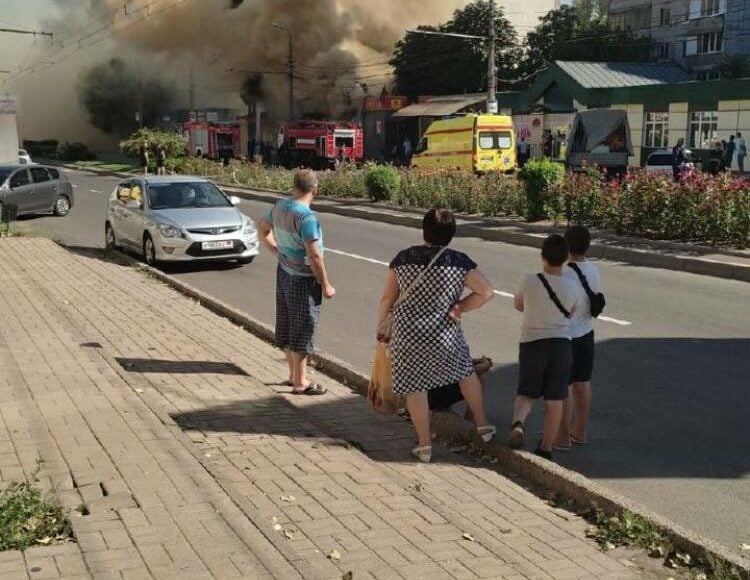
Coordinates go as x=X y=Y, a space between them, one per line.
x=290 y=67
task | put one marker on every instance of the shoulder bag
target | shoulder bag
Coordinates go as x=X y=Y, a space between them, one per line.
x=553 y=296
x=596 y=300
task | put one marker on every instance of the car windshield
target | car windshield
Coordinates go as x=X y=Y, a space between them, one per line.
x=185 y=195
x=660 y=159
x=495 y=140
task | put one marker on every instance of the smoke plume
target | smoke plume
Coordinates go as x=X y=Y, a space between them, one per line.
x=339 y=46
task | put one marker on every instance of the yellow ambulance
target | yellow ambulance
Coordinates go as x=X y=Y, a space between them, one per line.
x=479 y=143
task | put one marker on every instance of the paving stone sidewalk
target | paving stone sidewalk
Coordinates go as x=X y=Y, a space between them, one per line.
x=168 y=423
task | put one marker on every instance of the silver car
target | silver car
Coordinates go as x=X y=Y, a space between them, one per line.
x=35 y=189
x=178 y=219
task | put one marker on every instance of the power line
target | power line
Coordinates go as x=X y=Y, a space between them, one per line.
x=27 y=32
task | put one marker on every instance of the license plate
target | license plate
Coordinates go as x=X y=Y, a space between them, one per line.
x=218 y=245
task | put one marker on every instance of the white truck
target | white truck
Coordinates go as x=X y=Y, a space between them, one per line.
x=8 y=129
x=600 y=138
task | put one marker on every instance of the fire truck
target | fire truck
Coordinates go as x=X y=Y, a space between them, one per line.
x=319 y=144
x=212 y=139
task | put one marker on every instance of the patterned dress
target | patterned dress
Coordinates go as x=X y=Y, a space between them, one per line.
x=428 y=349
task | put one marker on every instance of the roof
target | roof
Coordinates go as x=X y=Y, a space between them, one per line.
x=440 y=106
x=605 y=75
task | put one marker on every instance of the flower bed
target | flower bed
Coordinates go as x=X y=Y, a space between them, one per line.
x=698 y=208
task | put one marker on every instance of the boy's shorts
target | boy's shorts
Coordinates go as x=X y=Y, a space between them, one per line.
x=583 y=358
x=544 y=368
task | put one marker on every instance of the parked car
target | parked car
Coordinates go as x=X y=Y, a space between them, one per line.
x=660 y=162
x=35 y=189
x=24 y=158
x=177 y=219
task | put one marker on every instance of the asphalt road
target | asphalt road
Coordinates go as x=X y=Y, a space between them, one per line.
x=671 y=410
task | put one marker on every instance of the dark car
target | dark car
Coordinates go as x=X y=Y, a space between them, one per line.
x=35 y=189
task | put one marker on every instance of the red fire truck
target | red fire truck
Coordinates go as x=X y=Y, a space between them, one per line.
x=213 y=139
x=319 y=144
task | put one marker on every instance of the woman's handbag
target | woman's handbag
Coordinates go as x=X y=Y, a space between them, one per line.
x=385 y=330
x=380 y=391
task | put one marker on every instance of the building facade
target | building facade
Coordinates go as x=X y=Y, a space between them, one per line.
x=696 y=34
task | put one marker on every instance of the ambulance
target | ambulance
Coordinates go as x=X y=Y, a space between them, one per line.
x=478 y=143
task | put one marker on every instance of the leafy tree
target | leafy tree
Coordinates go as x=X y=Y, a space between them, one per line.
x=735 y=66
x=434 y=65
x=175 y=144
x=561 y=35
x=110 y=93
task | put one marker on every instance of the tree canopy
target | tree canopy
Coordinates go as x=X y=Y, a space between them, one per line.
x=110 y=93
x=434 y=65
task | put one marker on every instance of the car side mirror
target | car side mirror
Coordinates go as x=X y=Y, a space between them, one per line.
x=133 y=204
x=235 y=201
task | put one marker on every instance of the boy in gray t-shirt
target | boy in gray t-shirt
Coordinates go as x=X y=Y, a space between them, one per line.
x=547 y=301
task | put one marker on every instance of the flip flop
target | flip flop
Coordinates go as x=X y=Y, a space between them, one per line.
x=577 y=441
x=516 y=435
x=311 y=390
x=564 y=448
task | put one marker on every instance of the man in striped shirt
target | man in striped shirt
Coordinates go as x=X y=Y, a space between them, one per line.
x=292 y=232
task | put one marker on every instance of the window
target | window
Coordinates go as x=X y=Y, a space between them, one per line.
x=39 y=174
x=691 y=47
x=657 y=130
x=703 y=125
x=662 y=51
x=711 y=7
x=123 y=192
x=344 y=142
x=495 y=140
x=708 y=75
x=711 y=42
x=19 y=179
x=423 y=145
x=54 y=173
x=665 y=17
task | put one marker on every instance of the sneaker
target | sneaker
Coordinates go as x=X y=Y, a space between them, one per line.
x=539 y=452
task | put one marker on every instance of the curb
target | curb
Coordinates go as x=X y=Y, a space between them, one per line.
x=570 y=484
x=666 y=256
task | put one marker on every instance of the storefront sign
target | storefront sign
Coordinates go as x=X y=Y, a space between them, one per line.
x=8 y=105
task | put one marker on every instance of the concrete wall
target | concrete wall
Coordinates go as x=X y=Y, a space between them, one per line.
x=8 y=139
x=635 y=120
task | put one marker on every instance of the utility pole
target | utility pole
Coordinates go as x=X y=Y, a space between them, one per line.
x=140 y=101
x=492 y=66
x=191 y=90
x=290 y=68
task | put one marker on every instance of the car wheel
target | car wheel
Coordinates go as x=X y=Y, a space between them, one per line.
x=149 y=251
x=248 y=260
x=62 y=206
x=109 y=236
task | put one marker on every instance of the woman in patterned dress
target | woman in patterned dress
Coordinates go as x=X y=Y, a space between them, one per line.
x=428 y=348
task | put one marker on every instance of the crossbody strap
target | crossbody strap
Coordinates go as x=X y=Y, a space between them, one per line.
x=583 y=279
x=553 y=296
x=405 y=294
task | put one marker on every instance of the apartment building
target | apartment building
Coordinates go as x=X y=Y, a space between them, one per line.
x=696 y=34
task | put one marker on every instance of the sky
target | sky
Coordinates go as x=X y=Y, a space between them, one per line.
x=25 y=14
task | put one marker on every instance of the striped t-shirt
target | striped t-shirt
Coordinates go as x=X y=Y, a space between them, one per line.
x=294 y=225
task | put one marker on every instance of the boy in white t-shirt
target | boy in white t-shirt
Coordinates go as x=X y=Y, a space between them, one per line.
x=547 y=301
x=577 y=407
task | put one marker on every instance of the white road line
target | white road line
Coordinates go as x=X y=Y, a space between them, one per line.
x=94 y=191
x=616 y=321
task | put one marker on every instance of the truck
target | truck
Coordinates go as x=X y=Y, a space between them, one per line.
x=477 y=143
x=599 y=138
x=213 y=139
x=319 y=144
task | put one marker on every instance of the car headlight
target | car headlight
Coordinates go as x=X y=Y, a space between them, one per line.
x=169 y=231
x=249 y=227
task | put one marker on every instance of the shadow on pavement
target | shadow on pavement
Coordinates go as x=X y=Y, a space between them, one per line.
x=663 y=408
x=148 y=365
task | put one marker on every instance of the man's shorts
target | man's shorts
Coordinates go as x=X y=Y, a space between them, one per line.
x=544 y=368
x=298 y=300
x=583 y=358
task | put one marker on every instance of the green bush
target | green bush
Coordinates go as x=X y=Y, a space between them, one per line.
x=75 y=152
x=382 y=182
x=175 y=144
x=538 y=175
x=347 y=181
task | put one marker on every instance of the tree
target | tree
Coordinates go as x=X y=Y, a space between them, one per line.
x=735 y=66
x=174 y=144
x=434 y=65
x=563 y=34
x=110 y=92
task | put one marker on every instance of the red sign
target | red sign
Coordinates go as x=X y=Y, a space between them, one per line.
x=385 y=103
x=536 y=122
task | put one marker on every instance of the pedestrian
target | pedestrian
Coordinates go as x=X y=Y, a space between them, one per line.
x=424 y=289
x=678 y=158
x=293 y=233
x=741 y=153
x=547 y=301
x=577 y=407
x=143 y=157
x=406 y=151
x=729 y=151
x=161 y=160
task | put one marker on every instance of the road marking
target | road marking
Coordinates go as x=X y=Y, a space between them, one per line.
x=94 y=191
x=616 y=321
x=357 y=257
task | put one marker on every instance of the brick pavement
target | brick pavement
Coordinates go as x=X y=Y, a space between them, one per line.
x=167 y=423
